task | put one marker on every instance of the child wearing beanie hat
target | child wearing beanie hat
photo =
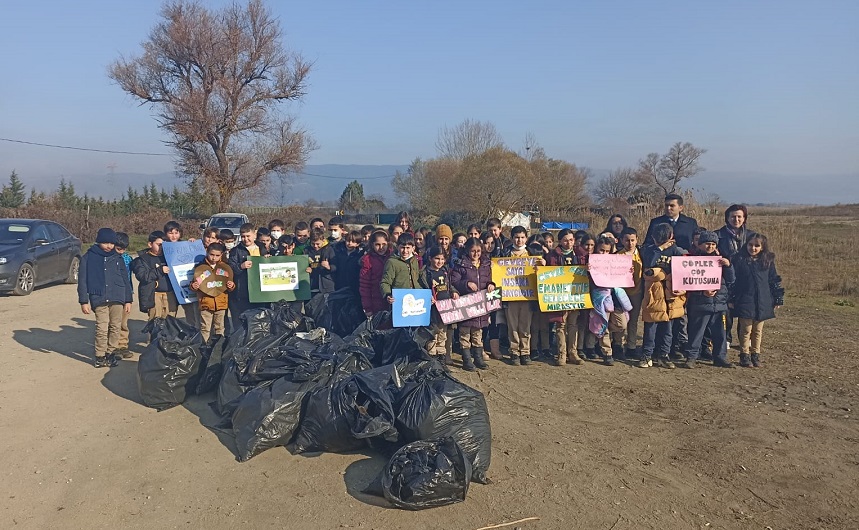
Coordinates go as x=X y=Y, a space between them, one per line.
x=104 y=288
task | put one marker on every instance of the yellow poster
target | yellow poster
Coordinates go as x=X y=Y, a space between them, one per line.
x=516 y=277
x=563 y=288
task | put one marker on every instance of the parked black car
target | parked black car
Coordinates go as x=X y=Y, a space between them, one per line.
x=35 y=252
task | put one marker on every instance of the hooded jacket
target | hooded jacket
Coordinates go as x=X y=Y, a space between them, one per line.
x=757 y=290
x=103 y=278
x=370 y=279
x=660 y=304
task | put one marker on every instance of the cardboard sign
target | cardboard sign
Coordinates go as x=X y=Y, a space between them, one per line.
x=278 y=278
x=564 y=288
x=182 y=257
x=516 y=277
x=611 y=270
x=469 y=306
x=213 y=281
x=696 y=273
x=411 y=307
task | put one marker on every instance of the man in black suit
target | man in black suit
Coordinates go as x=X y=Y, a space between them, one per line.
x=684 y=226
x=684 y=229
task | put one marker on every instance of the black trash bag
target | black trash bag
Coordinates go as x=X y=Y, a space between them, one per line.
x=427 y=474
x=434 y=405
x=286 y=317
x=209 y=374
x=396 y=346
x=344 y=415
x=268 y=416
x=339 y=312
x=168 y=363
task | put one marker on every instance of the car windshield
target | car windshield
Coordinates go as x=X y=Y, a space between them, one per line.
x=13 y=233
x=226 y=222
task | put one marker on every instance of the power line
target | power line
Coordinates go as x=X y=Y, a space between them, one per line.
x=83 y=148
x=167 y=154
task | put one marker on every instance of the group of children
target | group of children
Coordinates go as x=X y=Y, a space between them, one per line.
x=373 y=262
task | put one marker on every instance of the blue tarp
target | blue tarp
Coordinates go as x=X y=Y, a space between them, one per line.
x=554 y=225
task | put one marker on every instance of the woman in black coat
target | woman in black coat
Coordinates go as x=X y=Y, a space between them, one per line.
x=756 y=294
x=732 y=238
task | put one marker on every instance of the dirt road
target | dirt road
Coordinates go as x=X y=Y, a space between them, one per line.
x=579 y=447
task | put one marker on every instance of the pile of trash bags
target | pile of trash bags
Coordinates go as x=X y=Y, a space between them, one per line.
x=283 y=381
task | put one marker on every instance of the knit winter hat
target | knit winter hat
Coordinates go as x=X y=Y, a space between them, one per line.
x=708 y=237
x=105 y=235
x=443 y=231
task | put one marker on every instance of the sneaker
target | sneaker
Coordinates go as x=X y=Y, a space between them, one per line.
x=608 y=360
x=722 y=364
x=645 y=363
x=123 y=353
x=756 y=360
x=745 y=361
x=618 y=352
x=100 y=362
x=547 y=354
x=590 y=354
x=112 y=360
x=665 y=362
x=688 y=364
x=514 y=360
x=525 y=360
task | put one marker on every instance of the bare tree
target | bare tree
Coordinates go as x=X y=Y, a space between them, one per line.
x=531 y=149
x=218 y=80
x=616 y=190
x=663 y=173
x=469 y=138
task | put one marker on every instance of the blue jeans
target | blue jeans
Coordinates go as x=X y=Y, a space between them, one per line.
x=657 y=340
x=699 y=323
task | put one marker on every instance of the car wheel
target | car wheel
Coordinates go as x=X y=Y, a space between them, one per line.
x=74 y=270
x=26 y=280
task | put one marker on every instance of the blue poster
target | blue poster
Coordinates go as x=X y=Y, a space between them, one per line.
x=412 y=307
x=181 y=257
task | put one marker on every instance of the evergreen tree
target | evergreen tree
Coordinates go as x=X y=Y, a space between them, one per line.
x=12 y=195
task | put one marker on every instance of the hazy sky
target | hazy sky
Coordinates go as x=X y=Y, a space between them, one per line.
x=765 y=86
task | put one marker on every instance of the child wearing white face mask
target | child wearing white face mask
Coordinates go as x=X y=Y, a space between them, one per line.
x=228 y=238
x=335 y=229
x=276 y=227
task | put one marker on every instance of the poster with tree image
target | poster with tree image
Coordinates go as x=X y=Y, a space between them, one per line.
x=278 y=278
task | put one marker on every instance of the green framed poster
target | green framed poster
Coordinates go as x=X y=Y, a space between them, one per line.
x=278 y=278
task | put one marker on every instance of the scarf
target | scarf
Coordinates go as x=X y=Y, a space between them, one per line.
x=95 y=279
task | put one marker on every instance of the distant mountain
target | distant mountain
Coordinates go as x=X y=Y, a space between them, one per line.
x=322 y=182
x=325 y=182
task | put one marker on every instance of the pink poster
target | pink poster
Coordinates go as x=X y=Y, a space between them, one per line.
x=696 y=273
x=611 y=270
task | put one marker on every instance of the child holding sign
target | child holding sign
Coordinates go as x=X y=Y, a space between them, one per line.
x=436 y=276
x=213 y=307
x=624 y=342
x=756 y=294
x=706 y=309
x=611 y=307
x=474 y=273
x=566 y=322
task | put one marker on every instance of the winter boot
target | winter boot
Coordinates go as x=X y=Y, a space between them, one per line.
x=495 y=349
x=745 y=361
x=447 y=360
x=467 y=363
x=756 y=360
x=477 y=354
x=574 y=358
